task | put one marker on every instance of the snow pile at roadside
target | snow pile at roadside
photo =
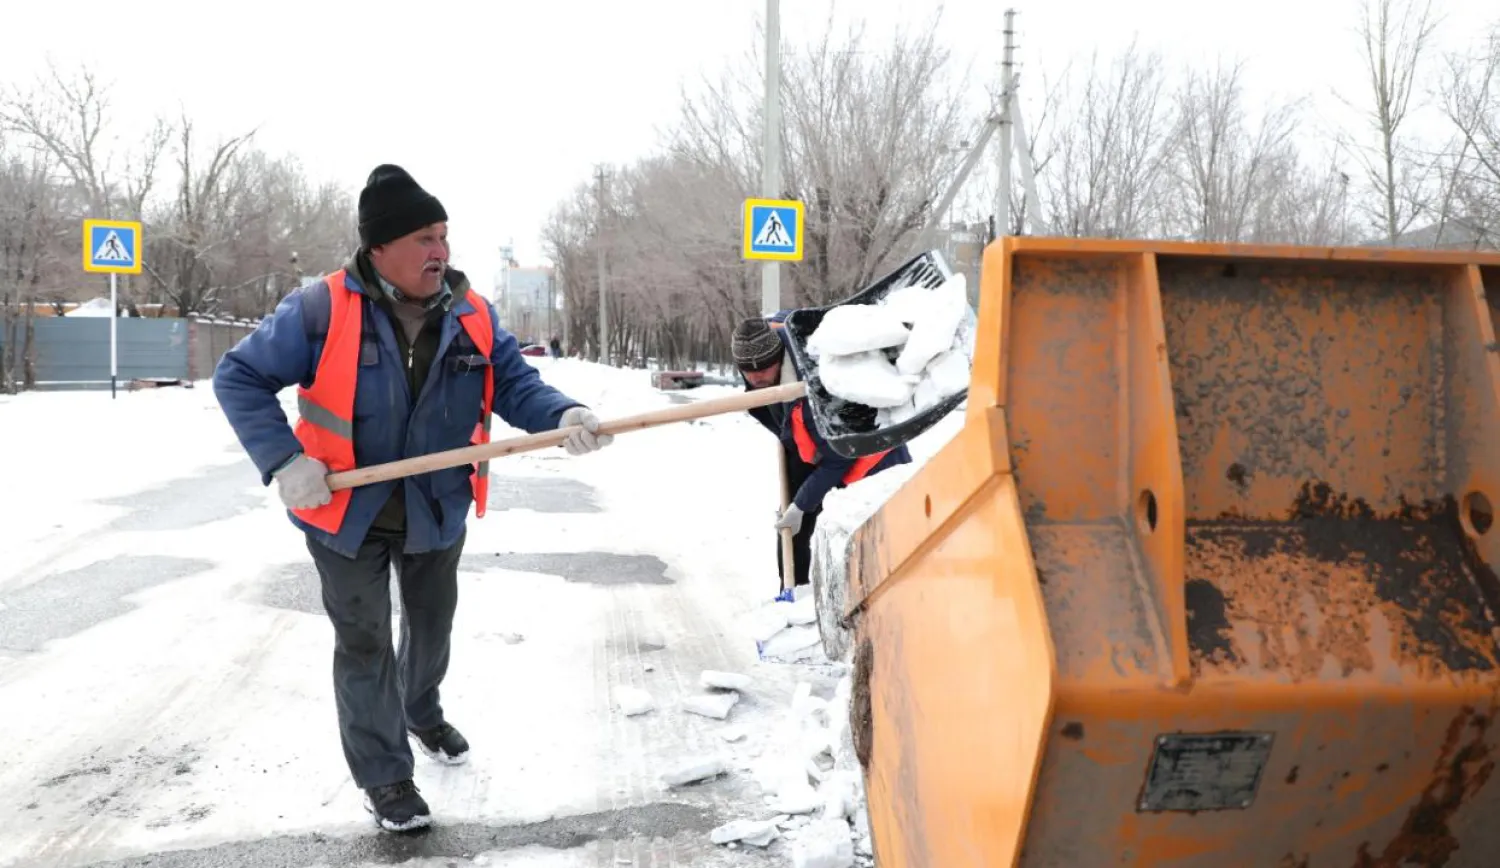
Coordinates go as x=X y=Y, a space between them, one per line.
x=903 y=355
x=814 y=788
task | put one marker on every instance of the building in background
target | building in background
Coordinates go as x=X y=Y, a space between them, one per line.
x=526 y=299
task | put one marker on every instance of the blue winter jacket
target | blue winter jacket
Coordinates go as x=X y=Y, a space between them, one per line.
x=813 y=480
x=284 y=351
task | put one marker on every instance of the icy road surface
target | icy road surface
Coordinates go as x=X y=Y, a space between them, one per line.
x=165 y=663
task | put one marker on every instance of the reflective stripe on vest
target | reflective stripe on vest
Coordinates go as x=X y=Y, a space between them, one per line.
x=808 y=450
x=326 y=426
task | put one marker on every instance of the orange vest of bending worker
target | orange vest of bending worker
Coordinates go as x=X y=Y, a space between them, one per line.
x=808 y=450
x=326 y=426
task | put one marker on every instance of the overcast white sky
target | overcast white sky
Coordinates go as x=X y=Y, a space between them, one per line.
x=499 y=108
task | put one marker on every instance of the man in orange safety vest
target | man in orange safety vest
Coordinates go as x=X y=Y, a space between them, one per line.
x=393 y=356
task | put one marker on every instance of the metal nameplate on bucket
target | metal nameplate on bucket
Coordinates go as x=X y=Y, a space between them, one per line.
x=1205 y=772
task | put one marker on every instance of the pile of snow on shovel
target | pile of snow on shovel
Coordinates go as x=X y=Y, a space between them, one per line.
x=901 y=355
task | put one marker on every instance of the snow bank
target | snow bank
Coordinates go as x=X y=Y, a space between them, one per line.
x=814 y=786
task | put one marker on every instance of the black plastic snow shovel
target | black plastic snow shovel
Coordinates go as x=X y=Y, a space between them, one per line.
x=850 y=428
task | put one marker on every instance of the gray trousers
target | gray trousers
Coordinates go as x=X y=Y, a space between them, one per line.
x=380 y=691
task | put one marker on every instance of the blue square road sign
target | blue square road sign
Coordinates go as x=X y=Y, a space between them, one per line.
x=773 y=229
x=112 y=246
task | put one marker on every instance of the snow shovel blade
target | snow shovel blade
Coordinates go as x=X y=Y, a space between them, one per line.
x=849 y=428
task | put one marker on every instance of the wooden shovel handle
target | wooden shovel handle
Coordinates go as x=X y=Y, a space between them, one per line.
x=532 y=442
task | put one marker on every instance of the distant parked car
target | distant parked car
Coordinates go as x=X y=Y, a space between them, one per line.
x=533 y=350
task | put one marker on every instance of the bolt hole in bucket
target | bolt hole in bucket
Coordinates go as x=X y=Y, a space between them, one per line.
x=1146 y=511
x=1478 y=513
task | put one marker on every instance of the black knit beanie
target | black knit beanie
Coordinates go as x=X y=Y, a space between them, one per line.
x=755 y=346
x=392 y=205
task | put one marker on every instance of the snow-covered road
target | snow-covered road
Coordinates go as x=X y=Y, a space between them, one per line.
x=165 y=663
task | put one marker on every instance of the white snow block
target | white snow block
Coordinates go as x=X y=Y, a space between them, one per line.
x=857 y=328
x=804 y=612
x=715 y=705
x=790 y=641
x=861 y=818
x=633 y=700
x=712 y=678
x=696 y=769
x=732 y=733
x=935 y=327
x=763 y=839
x=823 y=844
x=797 y=799
x=867 y=378
x=767 y=621
x=907 y=303
x=841 y=795
x=949 y=373
x=863 y=846
x=742 y=830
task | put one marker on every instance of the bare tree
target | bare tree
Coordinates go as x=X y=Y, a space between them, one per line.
x=1395 y=37
x=190 y=241
x=1225 y=170
x=1108 y=170
x=1471 y=101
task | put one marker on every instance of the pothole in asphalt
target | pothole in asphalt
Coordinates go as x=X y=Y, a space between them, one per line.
x=644 y=822
x=594 y=568
x=541 y=494
x=210 y=495
x=70 y=602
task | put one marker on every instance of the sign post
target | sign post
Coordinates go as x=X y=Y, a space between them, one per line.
x=773 y=230
x=112 y=247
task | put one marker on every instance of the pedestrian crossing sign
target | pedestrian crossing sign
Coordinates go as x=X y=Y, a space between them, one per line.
x=773 y=229
x=112 y=246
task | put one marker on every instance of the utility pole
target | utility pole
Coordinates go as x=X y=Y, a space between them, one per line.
x=1007 y=83
x=599 y=254
x=770 y=180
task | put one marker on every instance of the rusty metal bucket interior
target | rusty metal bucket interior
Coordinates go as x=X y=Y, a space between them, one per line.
x=1220 y=523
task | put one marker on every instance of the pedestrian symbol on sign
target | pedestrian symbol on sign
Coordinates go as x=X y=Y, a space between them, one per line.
x=112 y=250
x=773 y=234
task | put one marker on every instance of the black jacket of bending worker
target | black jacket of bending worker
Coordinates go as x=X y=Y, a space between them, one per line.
x=813 y=469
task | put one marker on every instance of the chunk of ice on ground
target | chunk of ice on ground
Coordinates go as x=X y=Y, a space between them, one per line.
x=741 y=830
x=724 y=680
x=798 y=800
x=804 y=611
x=694 y=769
x=866 y=378
x=790 y=641
x=633 y=700
x=855 y=328
x=715 y=705
x=767 y=621
x=823 y=844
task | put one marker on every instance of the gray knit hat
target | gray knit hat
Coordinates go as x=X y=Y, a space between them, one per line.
x=755 y=345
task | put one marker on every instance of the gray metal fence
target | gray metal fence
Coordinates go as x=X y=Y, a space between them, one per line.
x=73 y=352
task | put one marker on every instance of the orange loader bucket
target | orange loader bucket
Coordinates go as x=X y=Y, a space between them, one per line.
x=1206 y=579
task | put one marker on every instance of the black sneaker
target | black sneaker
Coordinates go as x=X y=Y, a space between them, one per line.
x=443 y=743
x=398 y=807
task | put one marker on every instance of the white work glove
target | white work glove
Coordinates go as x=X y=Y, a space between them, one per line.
x=790 y=520
x=302 y=483
x=586 y=440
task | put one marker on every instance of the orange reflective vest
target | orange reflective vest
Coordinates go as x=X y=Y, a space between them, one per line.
x=808 y=450
x=326 y=426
